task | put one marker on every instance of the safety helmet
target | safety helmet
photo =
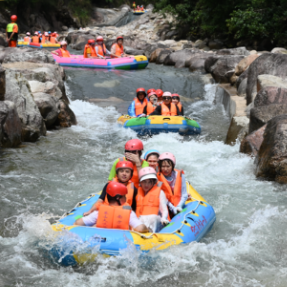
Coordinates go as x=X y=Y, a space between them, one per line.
x=36 y=33
x=14 y=18
x=115 y=188
x=175 y=95
x=134 y=144
x=167 y=155
x=150 y=152
x=146 y=173
x=100 y=38
x=28 y=34
x=150 y=90
x=159 y=92
x=166 y=94
x=125 y=164
x=141 y=90
x=91 y=41
x=152 y=94
x=63 y=43
x=49 y=32
x=120 y=37
x=46 y=34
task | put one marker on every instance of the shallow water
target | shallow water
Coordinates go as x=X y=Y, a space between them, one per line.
x=246 y=247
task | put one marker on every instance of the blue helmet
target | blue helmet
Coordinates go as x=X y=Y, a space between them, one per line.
x=151 y=151
x=49 y=32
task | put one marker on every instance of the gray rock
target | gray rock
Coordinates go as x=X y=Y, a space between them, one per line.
x=271 y=95
x=215 y=44
x=2 y=84
x=197 y=62
x=132 y=51
x=178 y=58
x=279 y=51
x=241 y=91
x=162 y=56
x=150 y=7
x=238 y=129
x=200 y=44
x=234 y=51
x=264 y=81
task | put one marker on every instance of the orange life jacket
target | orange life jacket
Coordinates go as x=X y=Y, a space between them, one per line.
x=115 y=217
x=165 y=111
x=43 y=39
x=150 y=108
x=139 y=107
x=179 y=105
x=53 y=40
x=175 y=195
x=119 y=50
x=65 y=53
x=101 y=50
x=135 y=178
x=27 y=39
x=91 y=49
x=148 y=204
x=35 y=39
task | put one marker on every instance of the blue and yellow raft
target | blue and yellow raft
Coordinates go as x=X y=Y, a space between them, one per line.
x=192 y=224
x=160 y=124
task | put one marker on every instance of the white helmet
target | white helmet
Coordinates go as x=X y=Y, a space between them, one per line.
x=63 y=43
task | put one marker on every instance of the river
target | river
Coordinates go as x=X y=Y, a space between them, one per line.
x=246 y=246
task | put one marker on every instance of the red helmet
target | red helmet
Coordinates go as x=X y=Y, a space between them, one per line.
x=116 y=188
x=91 y=41
x=159 y=92
x=100 y=38
x=152 y=94
x=124 y=164
x=141 y=90
x=14 y=18
x=175 y=95
x=134 y=144
x=120 y=37
x=150 y=90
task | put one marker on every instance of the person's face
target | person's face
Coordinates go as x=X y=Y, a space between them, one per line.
x=166 y=168
x=120 y=42
x=124 y=174
x=64 y=47
x=100 y=42
x=153 y=99
x=147 y=185
x=166 y=100
x=153 y=161
x=175 y=100
x=141 y=96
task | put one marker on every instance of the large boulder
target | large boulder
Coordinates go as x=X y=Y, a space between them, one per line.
x=197 y=62
x=244 y=64
x=238 y=129
x=279 y=50
x=264 y=81
x=10 y=125
x=259 y=116
x=241 y=90
x=272 y=155
x=79 y=39
x=133 y=51
x=271 y=95
x=18 y=92
x=234 y=51
x=215 y=44
x=163 y=54
x=66 y=117
x=178 y=58
x=251 y=143
x=9 y=51
x=2 y=84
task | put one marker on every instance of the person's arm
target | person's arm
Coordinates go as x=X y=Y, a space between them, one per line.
x=113 y=170
x=89 y=220
x=132 y=109
x=97 y=51
x=184 y=194
x=108 y=52
x=136 y=224
x=157 y=111
x=56 y=53
x=162 y=207
x=113 y=52
x=135 y=159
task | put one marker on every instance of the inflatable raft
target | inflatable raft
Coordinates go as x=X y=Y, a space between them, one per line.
x=38 y=46
x=160 y=124
x=191 y=224
x=139 y=12
x=127 y=63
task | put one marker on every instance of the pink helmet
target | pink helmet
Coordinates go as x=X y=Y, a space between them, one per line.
x=166 y=94
x=167 y=155
x=28 y=34
x=36 y=33
x=63 y=43
x=100 y=38
x=46 y=34
x=146 y=173
x=152 y=94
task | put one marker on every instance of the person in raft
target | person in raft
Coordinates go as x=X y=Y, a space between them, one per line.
x=117 y=214
x=117 y=50
x=133 y=152
x=159 y=93
x=174 y=184
x=35 y=38
x=12 y=32
x=167 y=108
x=89 y=50
x=27 y=38
x=151 y=201
x=62 y=52
x=151 y=105
x=176 y=100
x=151 y=156
x=53 y=38
x=124 y=171
x=137 y=106
x=100 y=49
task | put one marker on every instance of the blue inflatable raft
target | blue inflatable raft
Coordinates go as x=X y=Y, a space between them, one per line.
x=192 y=224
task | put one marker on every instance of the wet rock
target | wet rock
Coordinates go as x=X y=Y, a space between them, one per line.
x=178 y=58
x=197 y=62
x=279 y=51
x=155 y=54
x=259 y=116
x=163 y=54
x=271 y=159
x=10 y=125
x=234 y=51
x=200 y=44
x=264 y=81
x=241 y=91
x=3 y=42
x=215 y=44
x=66 y=117
x=244 y=64
x=238 y=129
x=251 y=143
x=18 y=92
x=2 y=84
x=271 y=95
x=132 y=51
x=8 y=51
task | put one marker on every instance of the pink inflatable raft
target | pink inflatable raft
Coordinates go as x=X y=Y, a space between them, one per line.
x=78 y=61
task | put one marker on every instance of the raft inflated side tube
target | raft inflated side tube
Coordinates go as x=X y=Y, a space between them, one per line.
x=38 y=45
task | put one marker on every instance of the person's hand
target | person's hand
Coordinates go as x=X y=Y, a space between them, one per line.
x=178 y=209
x=133 y=157
x=87 y=213
x=141 y=116
x=164 y=221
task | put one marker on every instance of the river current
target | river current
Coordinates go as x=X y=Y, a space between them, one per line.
x=247 y=245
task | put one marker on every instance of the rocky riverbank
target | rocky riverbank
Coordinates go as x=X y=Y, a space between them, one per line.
x=32 y=96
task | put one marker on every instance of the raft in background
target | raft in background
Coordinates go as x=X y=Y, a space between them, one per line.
x=126 y=63
x=160 y=124
x=36 y=45
x=139 y=12
x=191 y=224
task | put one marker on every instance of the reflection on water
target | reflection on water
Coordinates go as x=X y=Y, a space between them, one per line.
x=245 y=248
